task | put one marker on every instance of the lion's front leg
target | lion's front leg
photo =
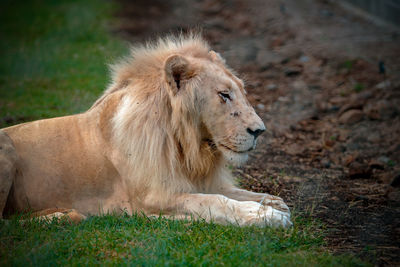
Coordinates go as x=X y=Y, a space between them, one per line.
x=221 y=209
x=262 y=198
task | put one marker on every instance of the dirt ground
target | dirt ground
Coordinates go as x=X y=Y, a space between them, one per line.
x=327 y=85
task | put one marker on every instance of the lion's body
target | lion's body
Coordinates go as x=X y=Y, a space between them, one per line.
x=48 y=178
x=156 y=141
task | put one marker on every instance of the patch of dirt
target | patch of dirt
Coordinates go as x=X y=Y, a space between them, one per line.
x=327 y=85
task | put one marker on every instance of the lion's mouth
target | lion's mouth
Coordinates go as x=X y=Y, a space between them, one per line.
x=235 y=151
x=215 y=146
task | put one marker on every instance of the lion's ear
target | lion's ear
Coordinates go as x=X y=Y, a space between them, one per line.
x=216 y=57
x=177 y=69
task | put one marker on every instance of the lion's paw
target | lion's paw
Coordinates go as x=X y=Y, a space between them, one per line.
x=277 y=218
x=261 y=215
x=275 y=202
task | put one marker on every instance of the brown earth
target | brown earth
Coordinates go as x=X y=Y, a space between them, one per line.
x=327 y=85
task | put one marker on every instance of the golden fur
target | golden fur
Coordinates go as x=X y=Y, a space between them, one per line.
x=159 y=133
x=157 y=140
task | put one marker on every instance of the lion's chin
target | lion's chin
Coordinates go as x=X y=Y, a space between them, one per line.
x=234 y=158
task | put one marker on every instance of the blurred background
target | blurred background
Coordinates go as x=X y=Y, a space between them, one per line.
x=324 y=76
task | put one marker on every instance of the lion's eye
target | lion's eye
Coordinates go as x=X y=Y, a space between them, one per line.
x=224 y=96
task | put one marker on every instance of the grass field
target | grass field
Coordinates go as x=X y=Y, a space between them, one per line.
x=54 y=57
x=139 y=240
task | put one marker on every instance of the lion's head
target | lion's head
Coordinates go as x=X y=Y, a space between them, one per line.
x=228 y=121
x=182 y=110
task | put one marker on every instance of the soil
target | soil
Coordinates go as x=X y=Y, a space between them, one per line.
x=327 y=85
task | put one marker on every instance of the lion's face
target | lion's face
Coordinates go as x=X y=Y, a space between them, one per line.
x=229 y=117
x=230 y=123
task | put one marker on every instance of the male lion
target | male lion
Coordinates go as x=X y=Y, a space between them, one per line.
x=157 y=141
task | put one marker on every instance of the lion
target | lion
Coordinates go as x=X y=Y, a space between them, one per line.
x=158 y=141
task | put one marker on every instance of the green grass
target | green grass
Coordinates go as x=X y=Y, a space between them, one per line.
x=54 y=57
x=53 y=62
x=139 y=240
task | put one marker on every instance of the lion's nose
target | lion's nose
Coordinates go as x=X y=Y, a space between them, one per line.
x=255 y=132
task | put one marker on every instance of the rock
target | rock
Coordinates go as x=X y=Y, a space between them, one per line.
x=351 y=116
x=272 y=87
x=359 y=170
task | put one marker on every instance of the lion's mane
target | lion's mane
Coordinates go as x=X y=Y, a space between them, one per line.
x=161 y=135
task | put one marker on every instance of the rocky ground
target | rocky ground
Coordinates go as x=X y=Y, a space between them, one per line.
x=327 y=85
